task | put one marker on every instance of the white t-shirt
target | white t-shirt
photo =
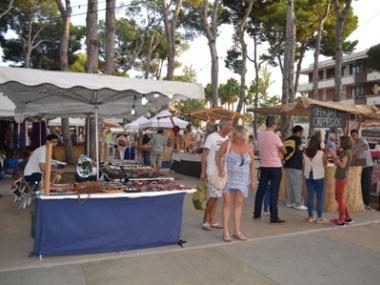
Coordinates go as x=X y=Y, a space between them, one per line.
x=33 y=165
x=213 y=143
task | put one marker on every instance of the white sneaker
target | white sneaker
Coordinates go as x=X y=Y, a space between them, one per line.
x=266 y=213
x=290 y=205
x=301 y=208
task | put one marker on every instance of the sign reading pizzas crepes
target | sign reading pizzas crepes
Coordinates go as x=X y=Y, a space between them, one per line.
x=322 y=117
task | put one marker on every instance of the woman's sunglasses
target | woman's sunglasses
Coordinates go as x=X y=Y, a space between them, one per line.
x=242 y=161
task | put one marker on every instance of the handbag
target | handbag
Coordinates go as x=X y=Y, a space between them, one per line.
x=220 y=182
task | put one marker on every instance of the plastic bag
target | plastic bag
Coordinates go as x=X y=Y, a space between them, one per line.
x=200 y=197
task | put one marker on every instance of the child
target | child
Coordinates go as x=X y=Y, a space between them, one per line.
x=341 y=179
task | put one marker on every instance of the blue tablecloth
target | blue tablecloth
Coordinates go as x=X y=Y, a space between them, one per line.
x=66 y=226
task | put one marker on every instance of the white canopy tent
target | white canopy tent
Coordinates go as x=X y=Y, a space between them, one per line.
x=56 y=93
x=7 y=108
x=164 y=119
x=75 y=122
x=135 y=125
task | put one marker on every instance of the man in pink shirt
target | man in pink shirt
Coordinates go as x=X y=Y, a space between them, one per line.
x=269 y=146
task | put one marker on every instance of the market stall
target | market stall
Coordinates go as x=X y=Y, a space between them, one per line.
x=103 y=217
x=328 y=115
x=189 y=163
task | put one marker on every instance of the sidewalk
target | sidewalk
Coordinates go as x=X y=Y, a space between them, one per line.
x=292 y=253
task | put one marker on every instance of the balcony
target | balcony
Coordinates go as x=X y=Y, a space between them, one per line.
x=326 y=83
x=364 y=100
x=373 y=76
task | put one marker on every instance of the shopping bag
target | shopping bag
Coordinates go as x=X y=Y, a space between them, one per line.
x=200 y=197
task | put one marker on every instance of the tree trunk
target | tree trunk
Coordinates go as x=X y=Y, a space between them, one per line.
x=298 y=71
x=257 y=78
x=316 y=59
x=152 y=47
x=170 y=32
x=243 y=71
x=64 y=46
x=63 y=60
x=109 y=65
x=339 y=25
x=67 y=140
x=28 y=44
x=92 y=37
x=211 y=35
x=321 y=22
x=288 y=74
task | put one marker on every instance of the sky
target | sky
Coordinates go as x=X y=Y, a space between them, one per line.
x=198 y=56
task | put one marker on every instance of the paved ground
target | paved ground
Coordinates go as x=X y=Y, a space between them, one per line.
x=293 y=253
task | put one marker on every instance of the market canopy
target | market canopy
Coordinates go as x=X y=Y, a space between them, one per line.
x=303 y=105
x=213 y=114
x=57 y=93
x=7 y=108
x=135 y=125
x=164 y=119
x=74 y=122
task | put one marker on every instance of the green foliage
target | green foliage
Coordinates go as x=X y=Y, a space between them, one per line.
x=264 y=99
x=272 y=16
x=188 y=106
x=374 y=57
x=229 y=92
x=261 y=87
x=46 y=27
x=189 y=75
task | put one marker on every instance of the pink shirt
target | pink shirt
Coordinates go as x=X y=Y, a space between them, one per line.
x=268 y=144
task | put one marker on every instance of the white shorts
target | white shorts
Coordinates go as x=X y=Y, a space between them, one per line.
x=212 y=192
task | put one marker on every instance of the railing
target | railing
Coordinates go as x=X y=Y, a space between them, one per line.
x=362 y=100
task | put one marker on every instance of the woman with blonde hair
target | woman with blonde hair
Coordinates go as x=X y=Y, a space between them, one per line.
x=241 y=175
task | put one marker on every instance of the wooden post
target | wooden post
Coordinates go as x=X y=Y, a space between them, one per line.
x=47 y=174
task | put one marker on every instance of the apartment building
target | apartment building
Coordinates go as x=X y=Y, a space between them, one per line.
x=360 y=84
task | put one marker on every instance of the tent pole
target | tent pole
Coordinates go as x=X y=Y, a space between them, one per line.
x=87 y=135
x=40 y=131
x=96 y=142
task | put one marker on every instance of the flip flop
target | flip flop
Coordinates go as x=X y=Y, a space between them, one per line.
x=227 y=238
x=206 y=227
x=240 y=236
x=216 y=226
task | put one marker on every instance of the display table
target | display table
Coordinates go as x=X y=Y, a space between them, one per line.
x=187 y=163
x=107 y=222
x=353 y=190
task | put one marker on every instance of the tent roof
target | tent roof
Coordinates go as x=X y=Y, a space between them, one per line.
x=40 y=92
x=301 y=107
x=7 y=108
x=135 y=125
x=164 y=120
x=77 y=122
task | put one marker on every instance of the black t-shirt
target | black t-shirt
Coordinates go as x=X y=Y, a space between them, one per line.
x=295 y=160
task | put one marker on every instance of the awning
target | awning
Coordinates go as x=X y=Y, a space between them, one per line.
x=302 y=107
x=57 y=93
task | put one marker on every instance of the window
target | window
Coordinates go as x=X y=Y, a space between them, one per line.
x=357 y=67
x=357 y=91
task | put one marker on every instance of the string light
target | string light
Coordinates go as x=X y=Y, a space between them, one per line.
x=133 y=111
x=144 y=101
